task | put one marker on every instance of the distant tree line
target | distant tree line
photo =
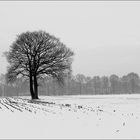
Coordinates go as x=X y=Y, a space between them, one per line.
x=75 y=85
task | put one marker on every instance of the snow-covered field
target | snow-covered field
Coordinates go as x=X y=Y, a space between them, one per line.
x=100 y=116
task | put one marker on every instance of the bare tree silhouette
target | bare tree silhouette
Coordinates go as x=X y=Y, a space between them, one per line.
x=36 y=54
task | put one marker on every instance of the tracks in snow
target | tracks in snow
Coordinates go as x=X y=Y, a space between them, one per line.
x=15 y=104
x=19 y=104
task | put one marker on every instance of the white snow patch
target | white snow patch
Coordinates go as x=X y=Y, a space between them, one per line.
x=66 y=117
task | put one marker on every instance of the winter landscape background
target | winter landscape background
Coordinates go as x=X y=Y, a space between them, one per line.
x=101 y=96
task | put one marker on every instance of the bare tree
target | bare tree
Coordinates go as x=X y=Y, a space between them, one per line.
x=96 y=84
x=114 y=80
x=81 y=80
x=36 y=54
x=133 y=82
x=17 y=85
x=88 y=85
x=3 y=83
x=105 y=84
x=125 y=84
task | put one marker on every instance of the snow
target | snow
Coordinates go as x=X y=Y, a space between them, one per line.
x=67 y=117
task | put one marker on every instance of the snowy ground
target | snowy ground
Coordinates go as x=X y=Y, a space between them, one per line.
x=100 y=116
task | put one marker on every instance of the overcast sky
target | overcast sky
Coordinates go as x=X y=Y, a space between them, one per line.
x=105 y=36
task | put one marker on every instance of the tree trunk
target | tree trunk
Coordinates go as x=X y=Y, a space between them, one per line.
x=33 y=90
x=31 y=87
x=35 y=87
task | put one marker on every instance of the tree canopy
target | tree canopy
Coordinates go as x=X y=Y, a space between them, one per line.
x=36 y=54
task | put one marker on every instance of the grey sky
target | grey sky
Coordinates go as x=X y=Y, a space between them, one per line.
x=105 y=36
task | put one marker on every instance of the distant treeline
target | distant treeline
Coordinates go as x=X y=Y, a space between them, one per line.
x=76 y=85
